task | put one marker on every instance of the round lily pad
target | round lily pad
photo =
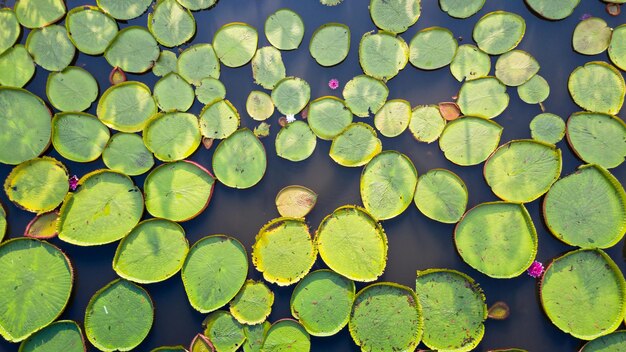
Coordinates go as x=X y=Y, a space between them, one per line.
x=172 y=92
x=498 y=32
x=295 y=201
x=432 y=48
x=547 y=128
x=454 y=309
x=90 y=29
x=598 y=87
x=296 y=141
x=172 y=136
x=483 y=97
x=195 y=5
x=570 y=289
x=127 y=154
x=461 y=8
x=11 y=29
x=73 y=89
x=39 y=13
x=152 y=252
x=259 y=105
x=383 y=55
x=106 y=206
x=356 y=145
x=165 y=64
x=197 y=62
x=597 y=138
x=235 y=43
x=613 y=342
x=133 y=49
x=284 y=251
x=127 y=106
x=393 y=118
x=63 y=335
x=469 y=140
x=497 y=238
x=388 y=184
x=210 y=90
x=587 y=208
x=523 y=170
x=441 y=195
x=284 y=29
x=426 y=123
x=352 y=244
x=239 y=160
x=328 y=117
x=386 y=317
x=208 y=290
x=50 y=47
x=322 y=302
x=108 y=324
x=16 y=67
x=219 y=120
x=34 y=272
x=291 y=95
x=253 y=303
x=536 y=90
x=617 y=47
x=469 y=62
x=364 y=95
x=25 y=125
x=330 y=44
x=395 y=16
x=42 y=226
x=268 y=67
x=171 y=24
x=516 y=67
x=224 y=332
x=38 y=185
x=553 y=10
x=286 y=335
x=591 y=36
x=124 y=9
x=255 y=335
x=178 y=191
x=169 y=349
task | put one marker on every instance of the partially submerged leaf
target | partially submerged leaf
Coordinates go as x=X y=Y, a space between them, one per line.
x=295 y=201
x=499 y=311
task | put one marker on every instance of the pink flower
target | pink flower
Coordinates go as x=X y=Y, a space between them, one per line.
x=585 y=16
x=536 y=269
x=73 y=182
x=333 y=84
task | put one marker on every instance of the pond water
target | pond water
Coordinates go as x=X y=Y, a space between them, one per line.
x=415 y=242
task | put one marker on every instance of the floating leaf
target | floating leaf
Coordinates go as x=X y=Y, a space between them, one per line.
x=382 y=55
x=201 y=343
x=262 y=130
x=285 y=335
x=483 y=97
x=328 y=116
x=259 y=105
x=295 y=142
x=268 y=67
x=195 y=5
x=126 y=153
x=253 y=303
x=426 y=123
x=42 y=226
x=240 y=160
x=39 y=13
x=291 y=95
x=172 y=92
x=364 y=95
x=210 y=90
x=395 y=16
x=90 y=29
x=284 y=29
x=393 y=118
x=597 y=138
x=38 y=185
x=598 y=87
x=79 y=136
x=432 y=48
x=165 y=64
x=461 y=8
x=3 y=222
x=127 y=106
x=469 y=140
x=219 y=119
x=169 y=349
x=613 y=342
x=295 y=201
x=11 y=29
x=498 y=32
x=449 y=111
x=499 y=311
x=330 y=44
x=197 y=62
x=73 y=89
x=617 y=47
x=516 y=67
x=224 y=332
x=469 y=62
x=117 y=76
x=235 y=43
x=16 y=66
x=172 y=136
x=171 y=24
x=50 y=47
x=591 y=36
x=133 y=49
x=124 y=9
x=553 y=10
x=547 y=128
x=63 y=335
x=534 y=91
x=356 y=145
x=441 y=195
x=255 y=335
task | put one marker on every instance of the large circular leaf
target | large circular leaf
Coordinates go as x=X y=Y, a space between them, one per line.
x=613 y=342
x=239 y=160
x=296 y=141
x=124 y=9
x=441 y=195
x=259 y=105
x=498 y=32
x=516 y=67
x=171 y=24
x=223 y=331
x=469 y=62
x=330 y=44
x=63 y=335
x=591 y=36
x=133 y=49
x=219 y=120
x=290 y=95
x=210 y=90
x=39 y=13
x=432 y=48
x=198 y=62
x=535 y=91
x=393 y=118
x=73 y=89
x=597 y=138
x=172 y=136
x=235 y=43
x=172 y=92
x=328 y=117
x=284 y=29
x=598 y=87
x=286 y=335
x=50 y=47
x=90 y=29
x=547 y=128
x=356 y=145
x=127 y=154
x=253 y=303
x=426 y=123
x=395 y=16
x=295 y=201
x=617 y=47
x=195 y=5
x=469 y=140
x=268 y=67
x=461 y=8
x=483 y=97
x=365 y=95
x=16 y=67
x=383 y=55
x=127 y=106
x=11 y=29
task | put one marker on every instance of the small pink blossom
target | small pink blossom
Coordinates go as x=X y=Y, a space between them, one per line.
x=333 y=84
x=73 y=182
x=536 y=269
x=585 y=16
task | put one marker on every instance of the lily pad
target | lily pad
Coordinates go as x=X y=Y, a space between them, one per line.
x=235 y=43
x=34 y=272
x=259 y=105
x=597 y=138
x=219 y=120
x=284 y=29
x=395 y=16
x=432 y=48
x=253 y=303
x=356 y=145
x=255 y=335
x=295 y=142
x=569 y=290
x=483 y=97
x=165 y=64
x=124 y=9
x=133 y=49
x=553 y=10
x=63 y=335
x=498 y=32
x=330 y=44
x=295 y=201
x=617 y=47
x=172 y=92
x=16 y=67
x=39 y=13
x=127 y=154
x=426 y=123
x=224 y=332
x=197 y=62
x=239 y=160
x=441 y=195
x=3 y=222
x=587 y=208
x=352 y=244
x=196 y=5
x=290 y=95
x=127 y=106
x=469 y=140
x=90 y=29
x=535 y=91
x=201 y=343
x=469 y=62
x=286 y=335
x=393 y=118
x=461 y=8
x=73 y=89
x=268 y=67
x=169 y=349
x=50 y=47
x=598 y=87
x=497 y=238
x=383 y=55
x=364 y=95
x=171 y=24
x=547 y=128
x=613 y=342
x=209 y=290
x=210 y=90
x=79 y=136
x=42 y=226
x=591 y=36
x=172 y=136
x=11 y=29
x=328 y=117
x=386 y=317
x=178 y=191
x=516 y=67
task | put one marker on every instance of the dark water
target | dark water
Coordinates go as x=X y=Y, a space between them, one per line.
x=415 y=242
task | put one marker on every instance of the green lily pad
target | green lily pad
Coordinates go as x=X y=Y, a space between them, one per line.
x=393 y=118
x=79 y=136
x=386 y=317
x=11 y=29
x=290 y=95
x=259 y=105
x=38 y=185
x=106 y=206
x=108 y=324
x=295 y=142
x=330 y=2
x=364 y=95
x=547 y=128
x=617 y=47
x=239 y=160
x=172 y=92
x=613 y=342
x=169 y=349
x=34 y=272
x=432 y=48
x=352 y=244
x=469 y=62
x=127 y=154
x=90 y=29
x=3 y=222
x=286 y=335
x=124 y=9
x=454 y=310
x=284 y=29
x=253 y=303
x=39 y=13
x=383 y=55
x=195 y=5
x=16 y=67
x=255 y=335
x=483 y=97
x=330 y=44
x=295 y=201
x=268 y=67
x=209 y=290
x=284 y=251
x=535 y=91
x=152 y=252
x=497 y=238
x=172 y=136
x=201 y=343
x=133 y=49
x=598 y=87
x=587 y=208
x=356 y=145
x=22 y=138
x=523 y=170
x=127 y=106
x=73 y=89
x=498 y=32
x=210 y=90
x=219 y=120
x=516 y=67
x=328 y=117
x=395 y=16
x=469 y=140
x=165 y=64
x=597 y=138
x=63 y=335
x=461 y=8
x=171 y=24
x=553 y=10
x=426 y=123
x=591 y=36
x=569 y=290
x=197 y=62
x=235 y=43
x=441 y=195
x=178 y=191
x=224 y=332
x=43 y=226
x=322 y=302
x=50 y=47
